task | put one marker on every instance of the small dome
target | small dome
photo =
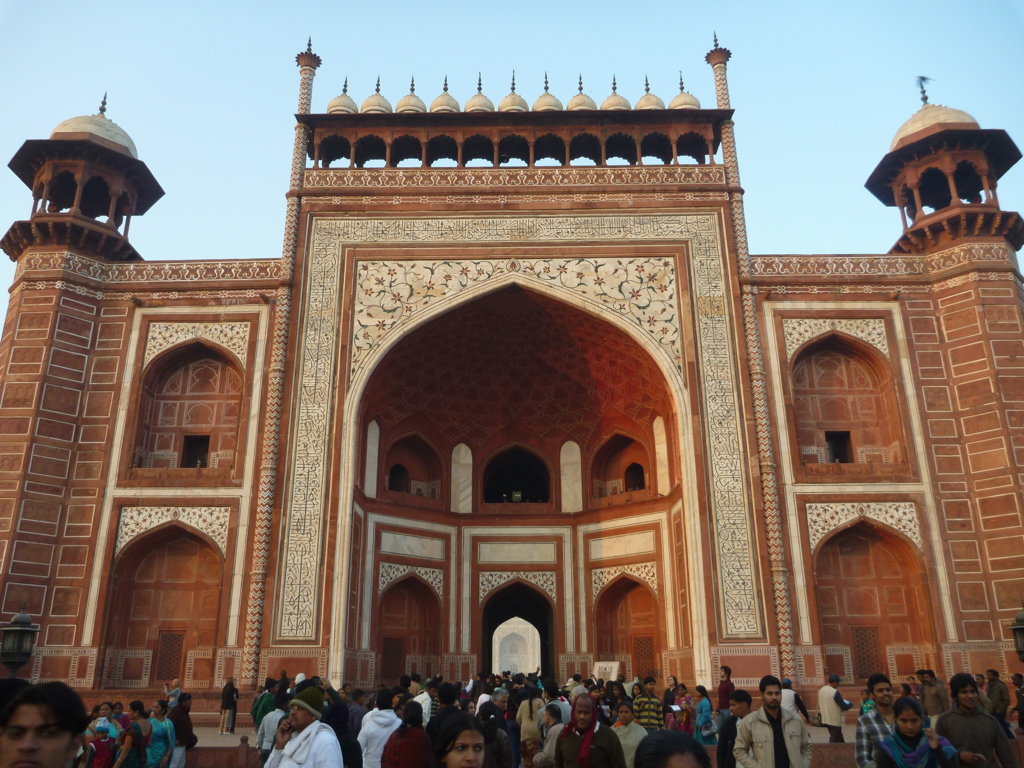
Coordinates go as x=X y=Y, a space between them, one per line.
x=929 y=115
x=445 y=102
x=375 y=103
x=684 y=100
x=343 y=103
x=513 y=102
x=411 y=102
x=649 y=100
x=478 y=102
x=615 y=101
x=547 y=102
x=98 y=125
x=580 y=101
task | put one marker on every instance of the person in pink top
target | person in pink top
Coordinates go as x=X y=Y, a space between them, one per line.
x=725 y=689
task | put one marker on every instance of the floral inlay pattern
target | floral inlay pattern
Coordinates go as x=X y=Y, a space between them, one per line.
x=232 y=336
x=822 y=519
x=491 y=580
x=135 y=521
x=646 y=572
x=799 y=330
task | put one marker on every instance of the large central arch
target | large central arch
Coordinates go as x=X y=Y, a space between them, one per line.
x=517 y=600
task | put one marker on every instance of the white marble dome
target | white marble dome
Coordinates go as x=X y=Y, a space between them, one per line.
x=342 y=103
x=98 y=125
x=649 y=100
x=929 y=115
x=684 y=100
x=478 y=102
x=376 y=104
x=581 y=100
x=445 y=102
x=411 y=102
x=615 y=102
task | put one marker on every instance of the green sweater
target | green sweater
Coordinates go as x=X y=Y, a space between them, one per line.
x=264 y=704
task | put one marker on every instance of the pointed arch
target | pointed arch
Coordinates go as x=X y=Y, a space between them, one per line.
x=518 y=599
x=408 y=627
x=626 y=626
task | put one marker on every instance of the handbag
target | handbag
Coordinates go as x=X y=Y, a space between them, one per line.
x=817 y=719
x=709 y=729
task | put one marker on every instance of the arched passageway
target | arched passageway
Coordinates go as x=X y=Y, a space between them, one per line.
x=872 y=599
x=628 y=627
x=165 y=598
x=517 y=600
x=409 y=630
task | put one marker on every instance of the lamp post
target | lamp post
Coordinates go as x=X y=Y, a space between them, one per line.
x=16 y=640
x=1018 y=633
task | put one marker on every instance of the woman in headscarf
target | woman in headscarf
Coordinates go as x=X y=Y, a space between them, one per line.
x=409 y=746
x=584 y=742
x=910 y=745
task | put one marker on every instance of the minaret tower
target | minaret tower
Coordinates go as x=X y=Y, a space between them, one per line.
x=941 y=172
x=87 y=182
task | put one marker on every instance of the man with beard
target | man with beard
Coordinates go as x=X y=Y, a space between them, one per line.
x=978 y=738
x=585 y=742
x=301 y=739
x=771 y=737
x=875 y=725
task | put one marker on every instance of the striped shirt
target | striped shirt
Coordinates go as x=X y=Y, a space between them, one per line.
x=647 y=710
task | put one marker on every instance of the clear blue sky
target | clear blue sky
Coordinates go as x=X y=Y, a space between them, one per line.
x=208 y=92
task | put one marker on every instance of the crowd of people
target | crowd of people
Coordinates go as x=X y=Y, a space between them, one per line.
x=522 y=721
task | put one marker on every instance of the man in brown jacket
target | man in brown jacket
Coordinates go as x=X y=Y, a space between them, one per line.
x=934 y=697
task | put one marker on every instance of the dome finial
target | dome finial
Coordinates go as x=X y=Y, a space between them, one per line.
x=513 y=81
x=921 y=80
x=309 y=44
x=647 y=85
x=715 y=34
x=344 y=88
x=545 y=82
x=479 y=83
x=412 y=85
x=446 y=83
x=103 y=104
x=681 y=89
x=581 y=82
x=378 y=84
x=613 y=85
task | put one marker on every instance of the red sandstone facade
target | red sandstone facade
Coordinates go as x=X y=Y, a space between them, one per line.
x=559 y=391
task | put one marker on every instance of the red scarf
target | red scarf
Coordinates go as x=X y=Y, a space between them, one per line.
x=588 y=735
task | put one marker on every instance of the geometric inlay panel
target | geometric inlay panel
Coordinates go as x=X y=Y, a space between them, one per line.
x=824 y=518
x=212 y=521
x=799 y=330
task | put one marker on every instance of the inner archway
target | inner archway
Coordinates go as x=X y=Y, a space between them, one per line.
x=516 y=476
x=409 y=630
x=518 y=601
x=515 y=646
x=628 y=629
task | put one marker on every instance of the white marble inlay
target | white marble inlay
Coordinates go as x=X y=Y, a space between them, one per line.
x=517 y=552
x=412 y=546
x=622 y=546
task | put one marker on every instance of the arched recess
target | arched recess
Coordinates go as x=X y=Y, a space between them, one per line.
x=626 y=626
x=516 y=646
x=933 y=186
x=462 y=479
x=409 y=627
x=618 y=455
x=417 y=464
x=190 y=410
x=165 y=597
x=570 y=465
x=844 y=404
x=516 y=476
x=518 y=600
x=872 y=598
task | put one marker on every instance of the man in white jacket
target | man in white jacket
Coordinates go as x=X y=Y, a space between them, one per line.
x=377 y=726
x=302 y=741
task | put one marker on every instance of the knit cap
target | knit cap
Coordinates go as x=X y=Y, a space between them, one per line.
x=311 y=700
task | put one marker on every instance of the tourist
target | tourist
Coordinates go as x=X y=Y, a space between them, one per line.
x=983 y=700
x=102 y=748
x=686 y=710
x=378 y=726
x=426 y=697
x=791 y=701
x=661 y=749
x=302 y=739
x=725 y=689
x=647 y=707
x=409 y=746
x=161 y=739
x=876 y=724
x=1018 y=689
x=668 y=699
x=41 y=726
x=934 y=698
x=705 y=728
x=866 y=703
x=265 y=702
x=910 y=746
x=460 y=744
x=132 y=752
x=999 y=701
x=356 y=710
x=585 y=742
x=184 y=735
x=448 y=696
x=173 y=692
x=739 y=707
x=120 y=716
x=552 y=725
x=336 y=715
x=629 y=731
x=106 y=714
x=228 y=706
x=978 y=737
x=415 y=688
x=554 y=696
x=266 y=735
x=771 y=733
x=526 y=716
x=497 y=746
x=831 y=706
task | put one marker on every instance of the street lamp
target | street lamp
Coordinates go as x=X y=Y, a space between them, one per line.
x=16 y=641
x=1018 y=633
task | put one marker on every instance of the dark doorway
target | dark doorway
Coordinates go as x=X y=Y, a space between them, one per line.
x=527 y=603
x=516 y=476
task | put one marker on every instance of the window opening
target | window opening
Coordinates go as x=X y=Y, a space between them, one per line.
x=195 y=451
x=838 y=447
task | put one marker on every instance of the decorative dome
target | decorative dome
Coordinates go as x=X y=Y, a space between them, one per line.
x=513 y=102
x=649 y=100
x=100 y=126
x=342 y=104
x=375 y=103
x=615 y=101
x=547 y=101
x=930 y=115
x=445 y=102
x=411 y=102
x=478 y=102
x=684 y=100
x=580 y=101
